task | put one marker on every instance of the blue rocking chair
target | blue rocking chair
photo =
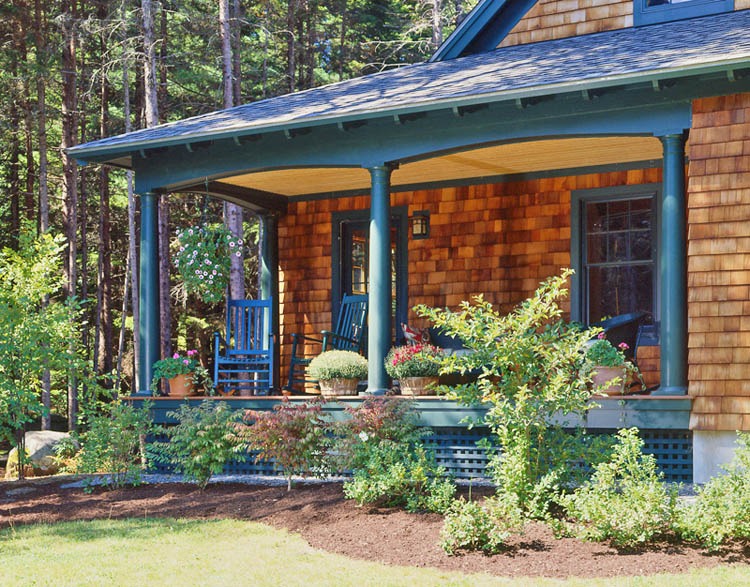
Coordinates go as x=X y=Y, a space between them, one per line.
x=243 y=362
x=348 y=336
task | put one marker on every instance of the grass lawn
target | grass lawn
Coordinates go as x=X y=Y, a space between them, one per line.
x=148 y=552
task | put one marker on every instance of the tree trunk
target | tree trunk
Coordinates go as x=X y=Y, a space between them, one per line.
x=232 y=212
x=437 y=24
x=149 y=65
x=236 y=32
x=291 y=28
x=70 y=173
x=40 y=33
x=104 y=340
x=132 y=261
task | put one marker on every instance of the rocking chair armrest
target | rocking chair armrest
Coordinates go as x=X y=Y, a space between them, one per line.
x=219 y=340
x=328 y=335
x=300 y=337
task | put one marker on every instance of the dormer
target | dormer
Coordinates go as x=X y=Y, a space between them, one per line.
x=502 y=23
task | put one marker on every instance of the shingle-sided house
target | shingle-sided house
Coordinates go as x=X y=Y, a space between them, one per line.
x=612 y=136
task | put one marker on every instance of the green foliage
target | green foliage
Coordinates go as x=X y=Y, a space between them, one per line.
x=115 y=444
x=338 y=365
x=36 y=331
x=420 y=360
x=203 y=260
x=204 y=439
x=292 y=436
x=530 y=369
x=603 y=353
x=470 y=526
x=625 y=500
x=382 y=445
x=721 y=511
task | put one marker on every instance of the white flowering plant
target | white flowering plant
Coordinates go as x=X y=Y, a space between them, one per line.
x=203 y=259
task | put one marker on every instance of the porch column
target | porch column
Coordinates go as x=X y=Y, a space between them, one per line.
x=379 y=319
x=148 y=293
x=269 y=279
x=673 y=269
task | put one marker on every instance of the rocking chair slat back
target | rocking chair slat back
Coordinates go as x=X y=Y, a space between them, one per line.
x=349 y=335
x=243 y=362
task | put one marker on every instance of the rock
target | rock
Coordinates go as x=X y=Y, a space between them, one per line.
x=40 y=448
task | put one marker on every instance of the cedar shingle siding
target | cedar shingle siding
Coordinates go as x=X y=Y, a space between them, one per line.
x=499 y=240
x=719 y=263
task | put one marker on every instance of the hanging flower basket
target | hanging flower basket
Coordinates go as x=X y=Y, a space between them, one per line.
x=203 y=259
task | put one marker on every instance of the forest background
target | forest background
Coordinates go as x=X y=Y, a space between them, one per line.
x=72 y=71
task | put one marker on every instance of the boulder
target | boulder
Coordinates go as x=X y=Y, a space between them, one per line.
x=40 y=448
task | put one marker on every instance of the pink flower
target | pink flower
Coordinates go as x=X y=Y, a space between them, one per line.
x=185 y=362
x=601 y=336
x=623 y=346
x=191 y=353
x=176 y=356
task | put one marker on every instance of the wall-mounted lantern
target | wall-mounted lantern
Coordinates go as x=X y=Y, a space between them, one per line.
x=420 y=224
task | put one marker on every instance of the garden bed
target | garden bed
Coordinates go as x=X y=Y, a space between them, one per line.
x=329 y=522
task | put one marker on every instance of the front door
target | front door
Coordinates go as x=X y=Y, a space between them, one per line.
x=351 y=251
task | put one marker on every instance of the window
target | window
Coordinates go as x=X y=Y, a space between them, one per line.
x=655 y=11
x=616 y=254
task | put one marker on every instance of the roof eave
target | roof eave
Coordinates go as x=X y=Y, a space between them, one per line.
x=118 y=152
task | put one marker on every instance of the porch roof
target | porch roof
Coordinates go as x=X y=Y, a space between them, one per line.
x=615 y=58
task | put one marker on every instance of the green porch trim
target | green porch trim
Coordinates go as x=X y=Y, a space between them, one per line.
x=642 y=113
x=483 y=28
x=379 y=318
x=673 y=269
x=148 y=294
x=487 y=180
x=647 y=413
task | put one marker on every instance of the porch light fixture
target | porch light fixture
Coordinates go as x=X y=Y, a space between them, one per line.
x=420 y=224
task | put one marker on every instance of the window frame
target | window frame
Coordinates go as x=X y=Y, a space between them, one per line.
x=579 y=199
x=645 y=15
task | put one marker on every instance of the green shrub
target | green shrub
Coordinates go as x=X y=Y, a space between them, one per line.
x=338 y=365
x=115 y=444
x=205 y=438
x=381 y=444
x=721 y=510
x=470 y=526
x=293 y=437
x=625 y=500
x=530 y=365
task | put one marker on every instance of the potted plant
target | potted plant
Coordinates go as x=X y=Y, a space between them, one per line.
x=203 y=259
x=416 y=367
x=609 y=368
x=183 y=373
x=338 y=372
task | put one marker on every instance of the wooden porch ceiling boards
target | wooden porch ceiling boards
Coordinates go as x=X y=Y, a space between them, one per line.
x=506 y=159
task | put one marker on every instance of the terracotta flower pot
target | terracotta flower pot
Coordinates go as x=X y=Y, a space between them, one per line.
x=603 y=375
x=182 y=385
x=418 y=385
x=336 y=387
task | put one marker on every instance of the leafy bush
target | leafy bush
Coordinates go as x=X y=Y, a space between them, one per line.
x=472 y=526
x=338 y=365
x=625 y=500
x=420 y=360
x=603 y=353
x=204 y=440
x=382 y=445
x=530 y=366
x=722 y=508
x=115 y=444
x=293 y=437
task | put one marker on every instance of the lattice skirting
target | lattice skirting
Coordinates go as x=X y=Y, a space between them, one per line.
x=456 y=450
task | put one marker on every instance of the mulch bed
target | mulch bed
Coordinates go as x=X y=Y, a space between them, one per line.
x=321 y=515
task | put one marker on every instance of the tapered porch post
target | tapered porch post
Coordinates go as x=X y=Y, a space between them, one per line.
x=269 y=280
x=379 y=320
x=148 y=292
x=673 y=269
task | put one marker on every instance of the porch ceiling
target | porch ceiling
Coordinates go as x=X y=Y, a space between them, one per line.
x=487 y=162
